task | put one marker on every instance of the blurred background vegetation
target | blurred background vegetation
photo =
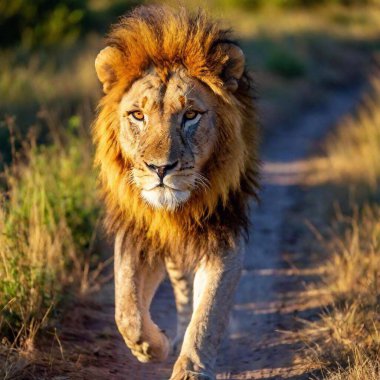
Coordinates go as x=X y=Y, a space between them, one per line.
x=299 y=51
x=44 y=23
x=297 y=48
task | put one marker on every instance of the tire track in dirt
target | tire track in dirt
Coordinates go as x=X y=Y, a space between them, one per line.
x=271 y=292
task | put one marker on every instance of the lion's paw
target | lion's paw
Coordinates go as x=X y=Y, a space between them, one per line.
x=184 y=369
x=189 y=375
x=154 y=351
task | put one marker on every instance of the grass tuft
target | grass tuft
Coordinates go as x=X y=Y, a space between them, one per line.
x=349 y=329
x=353 y=151
x=48 y=213
x=344 y=343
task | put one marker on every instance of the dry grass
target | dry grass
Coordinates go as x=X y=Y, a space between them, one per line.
x=352 y=152
x=345 y=341
x=347 y=335
x=293 y=57
x=363 y=368
x=67 y=74
x=48 y=214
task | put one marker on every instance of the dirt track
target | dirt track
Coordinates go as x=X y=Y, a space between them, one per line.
x=271 y=292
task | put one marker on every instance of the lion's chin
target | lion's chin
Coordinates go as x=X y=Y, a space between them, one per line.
x=165 y=198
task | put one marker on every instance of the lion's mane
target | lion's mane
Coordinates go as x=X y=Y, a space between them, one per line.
x=167 y=38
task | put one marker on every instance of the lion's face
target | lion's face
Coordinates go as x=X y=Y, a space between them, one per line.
x=173 y=121
x=168 y=131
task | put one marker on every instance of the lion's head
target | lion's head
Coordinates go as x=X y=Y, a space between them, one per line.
x=168 y=130
x=176 y=131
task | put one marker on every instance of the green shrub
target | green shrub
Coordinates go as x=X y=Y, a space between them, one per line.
x=40 y=22
x=284 y=63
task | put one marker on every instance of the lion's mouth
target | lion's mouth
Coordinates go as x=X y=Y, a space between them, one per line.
x=164 y=196
x=164 y=186
x=161 y=186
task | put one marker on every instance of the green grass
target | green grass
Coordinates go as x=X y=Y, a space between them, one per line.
x=285 y=63
x=295 y=60
x=48 y=219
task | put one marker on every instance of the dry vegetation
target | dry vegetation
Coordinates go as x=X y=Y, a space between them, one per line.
x=345 y=341
x=48 y=216
x=352 y=151
x=297 y=59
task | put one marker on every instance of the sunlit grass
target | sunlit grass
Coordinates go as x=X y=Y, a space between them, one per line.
x=353 y=151
x=48 y=216
x=330 y=35
x=363 y=367
x=348 y=23
x=41 y=78
x=345 y=341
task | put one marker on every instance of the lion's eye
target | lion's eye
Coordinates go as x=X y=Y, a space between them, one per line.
x=138 y=115
x=190 y=115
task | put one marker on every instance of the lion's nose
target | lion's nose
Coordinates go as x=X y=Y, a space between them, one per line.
x=161 y=170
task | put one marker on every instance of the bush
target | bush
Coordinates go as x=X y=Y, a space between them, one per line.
x=40 y=22
x=284 y=63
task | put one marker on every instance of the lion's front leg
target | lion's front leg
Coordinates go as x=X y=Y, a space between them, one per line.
x=182 y=283
x=135 y=286
x=214 y=286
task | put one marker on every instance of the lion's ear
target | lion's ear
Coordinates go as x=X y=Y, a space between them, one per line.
x=105 y=64
x=233 y=67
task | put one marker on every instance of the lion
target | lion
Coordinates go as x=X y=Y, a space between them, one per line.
x=176 y=145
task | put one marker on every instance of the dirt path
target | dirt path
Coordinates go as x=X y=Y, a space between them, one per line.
x=271 y=292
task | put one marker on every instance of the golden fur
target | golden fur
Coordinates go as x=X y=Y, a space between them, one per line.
x=168 y=39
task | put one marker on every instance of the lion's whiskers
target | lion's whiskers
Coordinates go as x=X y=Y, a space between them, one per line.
x=201 y=182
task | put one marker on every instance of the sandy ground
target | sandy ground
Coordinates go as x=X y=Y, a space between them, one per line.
x=273 y=291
